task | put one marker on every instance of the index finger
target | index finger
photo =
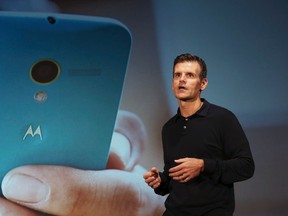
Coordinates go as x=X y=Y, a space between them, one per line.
x=175 y=168
x=147 y=174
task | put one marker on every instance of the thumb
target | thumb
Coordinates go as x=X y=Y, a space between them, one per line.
x=44 y=188
x=67 y=191
x=154 y=170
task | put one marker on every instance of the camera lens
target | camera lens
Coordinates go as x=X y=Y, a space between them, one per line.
x=45 y=71
x=51 y=20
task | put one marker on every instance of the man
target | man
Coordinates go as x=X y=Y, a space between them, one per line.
x=205 y=149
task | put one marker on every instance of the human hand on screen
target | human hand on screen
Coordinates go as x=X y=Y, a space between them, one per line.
x=57 y=190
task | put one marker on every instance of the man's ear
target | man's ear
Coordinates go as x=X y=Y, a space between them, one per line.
x=204 y=83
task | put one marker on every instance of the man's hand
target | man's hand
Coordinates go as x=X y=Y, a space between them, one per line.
x=187 y=169
x=152 y=178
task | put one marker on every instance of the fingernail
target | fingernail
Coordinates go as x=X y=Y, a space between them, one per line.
x=24 y=188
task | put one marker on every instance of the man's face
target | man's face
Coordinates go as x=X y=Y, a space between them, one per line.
x=186 y=83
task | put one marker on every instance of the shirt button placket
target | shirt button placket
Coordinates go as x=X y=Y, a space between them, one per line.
x=185 y=126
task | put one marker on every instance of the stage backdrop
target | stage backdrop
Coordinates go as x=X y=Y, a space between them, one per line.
x=245 y=47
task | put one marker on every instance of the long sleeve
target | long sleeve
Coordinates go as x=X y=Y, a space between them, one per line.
x=237 y=163
x=163 y=189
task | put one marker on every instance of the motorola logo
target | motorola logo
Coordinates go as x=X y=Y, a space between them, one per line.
x=33 y=133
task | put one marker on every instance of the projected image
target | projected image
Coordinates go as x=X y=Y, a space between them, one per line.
x=244 y=47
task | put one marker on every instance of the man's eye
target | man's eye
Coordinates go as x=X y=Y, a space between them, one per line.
x=190 y=75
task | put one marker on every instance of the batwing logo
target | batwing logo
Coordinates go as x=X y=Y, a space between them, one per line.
x=32 y=133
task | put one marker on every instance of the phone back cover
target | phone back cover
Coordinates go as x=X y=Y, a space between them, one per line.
x=73 y=122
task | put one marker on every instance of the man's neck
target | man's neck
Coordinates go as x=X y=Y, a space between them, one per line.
x=188 y=108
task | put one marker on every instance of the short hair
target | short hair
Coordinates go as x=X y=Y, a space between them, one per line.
x=187 y=57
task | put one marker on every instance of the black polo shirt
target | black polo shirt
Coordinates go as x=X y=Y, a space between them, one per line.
x=214 y=134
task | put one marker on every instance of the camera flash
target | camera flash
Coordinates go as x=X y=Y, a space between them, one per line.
x=40 y=97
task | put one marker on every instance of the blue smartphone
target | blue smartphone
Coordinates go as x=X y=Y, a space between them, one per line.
x=61 y=80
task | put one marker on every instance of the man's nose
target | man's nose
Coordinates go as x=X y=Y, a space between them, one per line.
x=182 y=78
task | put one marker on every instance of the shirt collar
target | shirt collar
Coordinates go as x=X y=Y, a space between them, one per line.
x=203 y=111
